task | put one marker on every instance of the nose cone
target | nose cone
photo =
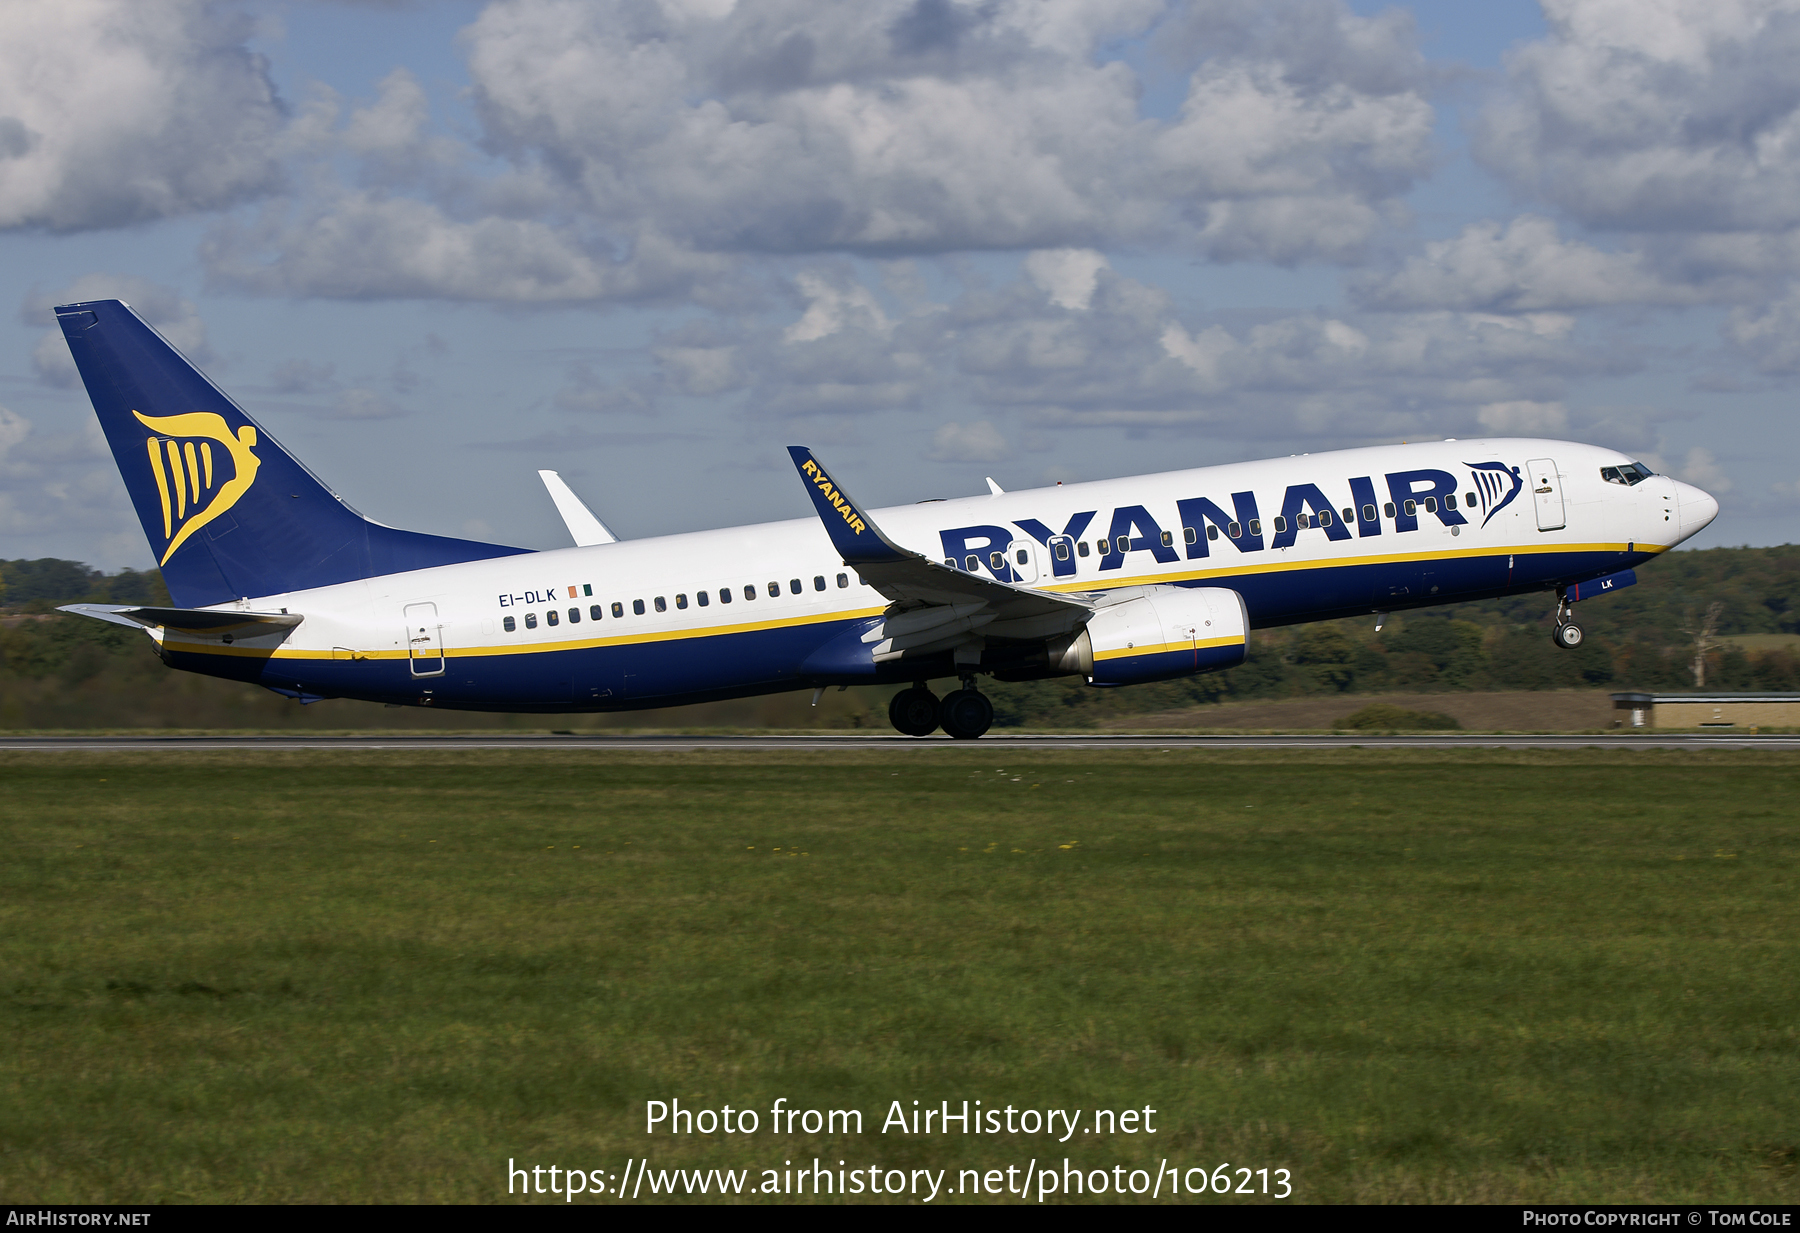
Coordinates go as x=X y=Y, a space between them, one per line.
x=1696 y=508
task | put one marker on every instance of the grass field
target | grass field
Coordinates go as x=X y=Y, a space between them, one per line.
x=1399 y=975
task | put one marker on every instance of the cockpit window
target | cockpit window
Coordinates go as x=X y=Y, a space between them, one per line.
x=1629 y=474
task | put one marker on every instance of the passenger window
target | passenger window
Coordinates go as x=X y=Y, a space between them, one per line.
x=1024 y=557
x=774 y=590
x=1255 y=527
x=843 y=581
x=794 y=586
x=1469 y=501
x=594 y=613
x=1349 y=515
x=724 y=595
x=818 y=582
x=951 y=562
x=1388 y=509
x=1280 y=524
x=681 y=601
x=550 y=617
x=508 y=624
x=1431 y=505
x=1234 y=530
x=749 y=590
x=1168 y=537
x=637 y=607
x=1324 y=517
x=996 y=561
x=619 y=610
x=1368 y=513
x=1189 y=535
x=574 y=616
x=703 y=597
x=1101 y=548
x=662 y=605
x=1062 y=549
x=531 y=620
x=1081 y=549
x=1212 y=531
x=1450 y=501
x=1305 y=521
x=972 y=564
x=1411 y=508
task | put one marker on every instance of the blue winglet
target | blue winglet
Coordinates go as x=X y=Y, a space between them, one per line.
x=858 y=540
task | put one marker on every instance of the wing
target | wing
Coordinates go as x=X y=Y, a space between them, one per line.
x=913 y=580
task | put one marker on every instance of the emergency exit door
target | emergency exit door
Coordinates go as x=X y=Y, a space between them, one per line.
x=1546 y=491
x=424 y=640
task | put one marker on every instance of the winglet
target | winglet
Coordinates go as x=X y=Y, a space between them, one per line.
x=585 y=529
x=858 y=540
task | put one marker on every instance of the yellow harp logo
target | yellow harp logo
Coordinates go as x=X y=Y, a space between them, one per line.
x=181 y=459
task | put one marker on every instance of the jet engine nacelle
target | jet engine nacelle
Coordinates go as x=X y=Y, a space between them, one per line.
x=1157 y=633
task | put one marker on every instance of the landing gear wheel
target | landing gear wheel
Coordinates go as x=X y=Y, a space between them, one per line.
x=966 y=714
x=1568 y=636
x=914 y=712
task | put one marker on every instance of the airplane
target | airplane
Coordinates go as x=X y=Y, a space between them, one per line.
x=276 y=580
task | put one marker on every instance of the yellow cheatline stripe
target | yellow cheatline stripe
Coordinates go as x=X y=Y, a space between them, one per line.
x=1168 y=648
x=162 y=485
x=532 y=648
x=1243 y=566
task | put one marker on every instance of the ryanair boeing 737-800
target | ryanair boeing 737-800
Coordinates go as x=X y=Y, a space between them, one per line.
x=277 y=581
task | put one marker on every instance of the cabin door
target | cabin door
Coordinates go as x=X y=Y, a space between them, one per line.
x=424 y=640
x=1025 y=556
x=1546 y=490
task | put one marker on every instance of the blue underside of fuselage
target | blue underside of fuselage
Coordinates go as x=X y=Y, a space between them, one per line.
x=633 y=676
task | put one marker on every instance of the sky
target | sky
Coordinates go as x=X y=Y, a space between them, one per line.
x=434 y=247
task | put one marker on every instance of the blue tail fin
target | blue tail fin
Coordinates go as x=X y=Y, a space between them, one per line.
x=228 y=512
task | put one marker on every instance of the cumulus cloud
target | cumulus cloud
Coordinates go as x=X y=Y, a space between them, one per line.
x=1679 y=116
x=1523 y=418
x=929 y=126
x=172 y=315
x=119 y=111
x=977 y=442
x=1702 y=470
x=1523 y=266
x=1067 y=275
x=1769 y=334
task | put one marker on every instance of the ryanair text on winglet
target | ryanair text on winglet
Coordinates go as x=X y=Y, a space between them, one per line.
x=831 y=493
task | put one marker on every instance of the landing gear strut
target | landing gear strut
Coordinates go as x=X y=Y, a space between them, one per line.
x=1567 y=634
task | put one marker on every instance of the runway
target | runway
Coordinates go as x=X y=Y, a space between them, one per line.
x=822 y=742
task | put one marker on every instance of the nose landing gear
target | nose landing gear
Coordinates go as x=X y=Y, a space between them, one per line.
x=1567 y=634
x=963 y=713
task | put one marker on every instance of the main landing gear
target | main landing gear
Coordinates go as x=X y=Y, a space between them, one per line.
x=963 y=713
x=1567 y=634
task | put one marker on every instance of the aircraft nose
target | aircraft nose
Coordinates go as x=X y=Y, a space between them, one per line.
x=1697 y=508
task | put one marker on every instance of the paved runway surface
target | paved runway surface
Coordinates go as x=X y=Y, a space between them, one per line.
x=997 y=742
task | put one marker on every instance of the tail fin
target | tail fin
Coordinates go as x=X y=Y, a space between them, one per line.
x=227 y=511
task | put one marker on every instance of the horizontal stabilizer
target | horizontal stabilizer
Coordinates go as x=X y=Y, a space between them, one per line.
x=584 y=528
x=187 y=620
